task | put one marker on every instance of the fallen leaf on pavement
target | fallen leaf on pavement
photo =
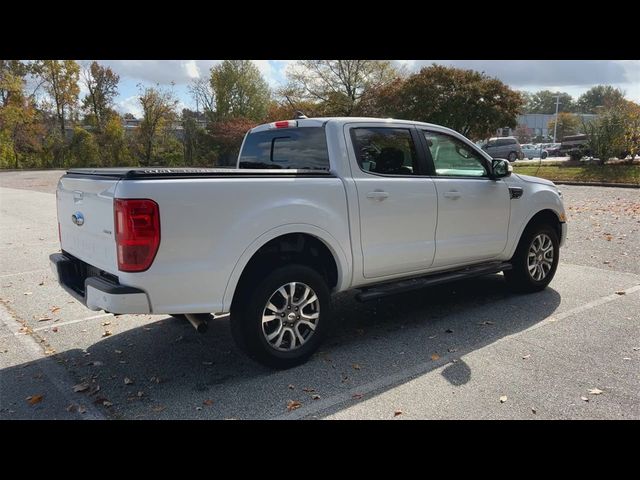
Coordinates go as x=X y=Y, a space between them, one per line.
x=104 y=324
x=208 y=402
x=533 y=409
x=107 y=403
x=158 y=408
x=595 y=391
x=608 y=237
x=118 y=351
x=451 y=349
x=503 y=398
x=44 y=319
x=355 y=366
x=97 y=363
x=293 y=404
x=308 y=390
x=72 y=408
x=41 y=283
x=81 y=409
x=584 y=399
x=448 y=330
x=54 y=309
x=127 y=381
x=290 y=386
x=54 y=329
x=524 y=357
x=33 y=399
x=28 y=293
x=140 y=393
x=357 y=396
x=49 y=351
x=635 y=349
x=432 y=337
x=81 y=387
x=198 y=408
x=397 y=413
x=620 y=292
x=435 y=356
x=208 y=364
x=486 y=322
x=106 y=333
x=315 y=397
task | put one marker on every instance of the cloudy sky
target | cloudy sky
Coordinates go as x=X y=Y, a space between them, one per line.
x=572 y=76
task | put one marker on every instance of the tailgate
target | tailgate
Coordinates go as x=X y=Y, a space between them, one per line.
x=85 y=214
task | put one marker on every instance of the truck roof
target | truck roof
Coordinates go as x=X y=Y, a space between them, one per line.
x=321 y=121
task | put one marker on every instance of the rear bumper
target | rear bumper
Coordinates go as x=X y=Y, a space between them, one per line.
x=96 y=292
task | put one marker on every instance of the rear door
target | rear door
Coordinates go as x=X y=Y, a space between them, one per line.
x=86 y=218
x=397 y=200
x=473 y=210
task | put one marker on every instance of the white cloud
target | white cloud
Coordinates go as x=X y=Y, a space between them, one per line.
x=130 y=105
x=161 y=71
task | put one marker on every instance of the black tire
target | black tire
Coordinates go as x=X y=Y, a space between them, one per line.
x=544 y=155
x=519 y=277
x=512 y=157
x=250 y=304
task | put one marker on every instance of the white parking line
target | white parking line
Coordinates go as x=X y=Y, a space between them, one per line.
x=56 y=374
x=59 y=324
x=417 y=370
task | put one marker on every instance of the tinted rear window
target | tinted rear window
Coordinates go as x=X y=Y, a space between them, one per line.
x=286 y=148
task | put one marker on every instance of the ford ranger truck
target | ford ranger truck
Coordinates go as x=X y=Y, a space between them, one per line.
x=314 y=207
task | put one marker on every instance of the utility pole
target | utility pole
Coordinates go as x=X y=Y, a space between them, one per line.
x=555 y=124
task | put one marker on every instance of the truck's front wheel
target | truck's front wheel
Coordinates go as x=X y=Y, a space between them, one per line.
x=536 y=259
x=281 y=321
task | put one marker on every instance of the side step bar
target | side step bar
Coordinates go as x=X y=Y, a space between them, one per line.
x=401 y=286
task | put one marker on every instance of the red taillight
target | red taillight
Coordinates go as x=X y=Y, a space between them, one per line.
x=137 y=225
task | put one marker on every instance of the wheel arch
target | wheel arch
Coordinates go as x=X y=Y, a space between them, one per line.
x=546 y=215
x=293 y=242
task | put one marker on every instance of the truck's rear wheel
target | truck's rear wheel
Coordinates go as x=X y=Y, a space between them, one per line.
x=281 y=321
x=536 y=259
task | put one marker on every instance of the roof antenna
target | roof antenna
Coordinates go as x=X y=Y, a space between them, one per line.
x=299 y=114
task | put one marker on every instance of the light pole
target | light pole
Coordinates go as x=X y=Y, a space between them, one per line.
x=555 y=124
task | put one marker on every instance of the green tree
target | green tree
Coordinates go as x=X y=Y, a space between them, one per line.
x=605 y=134
x=113 y=146
x=83 y=149
x=568 y=124
x=544 y=101
x=338 y=85
x=600 y=96
x=240 y=90
x=61 y=82
x=158 y=107
x=21 y=128
x=470 y=102
x=102 y=87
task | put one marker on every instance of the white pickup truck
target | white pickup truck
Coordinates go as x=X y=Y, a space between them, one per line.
x=314 y=207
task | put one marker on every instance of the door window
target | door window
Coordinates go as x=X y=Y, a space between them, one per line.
x=384 y=150
x=452 y=157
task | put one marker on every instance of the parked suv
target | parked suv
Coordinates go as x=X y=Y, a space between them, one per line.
x=504 y=147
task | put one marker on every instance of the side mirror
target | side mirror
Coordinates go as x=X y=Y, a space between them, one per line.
x=501 y=168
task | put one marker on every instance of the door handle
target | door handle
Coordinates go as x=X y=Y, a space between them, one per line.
x=453 y=194
x=378 y=195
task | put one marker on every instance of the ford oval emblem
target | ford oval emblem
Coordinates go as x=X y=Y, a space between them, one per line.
x=78 y=219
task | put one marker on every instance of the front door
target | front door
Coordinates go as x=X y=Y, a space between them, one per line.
x=473 y=209
x=397 y=202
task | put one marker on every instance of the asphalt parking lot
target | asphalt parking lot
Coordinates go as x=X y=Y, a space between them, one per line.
x=469 y=350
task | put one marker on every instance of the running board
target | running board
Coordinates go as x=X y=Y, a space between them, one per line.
x=401 y=286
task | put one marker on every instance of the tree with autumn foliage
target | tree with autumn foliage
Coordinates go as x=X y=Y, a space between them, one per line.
x=159 y=111
x=239 y=90
x=568 y=124
x=228 y=135
x=60 y=78
x=467 y=101
x=102 y=87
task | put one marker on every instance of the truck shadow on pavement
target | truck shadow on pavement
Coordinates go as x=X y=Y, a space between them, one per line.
x=165 y=370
